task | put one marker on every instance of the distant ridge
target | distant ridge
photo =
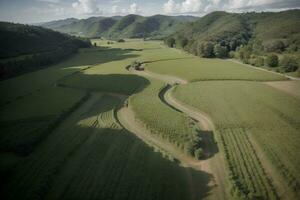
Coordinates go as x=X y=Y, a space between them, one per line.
x=130 y=26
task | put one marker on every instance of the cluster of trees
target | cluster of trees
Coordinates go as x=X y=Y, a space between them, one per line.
x=259 y=55
x=247 y=36
x=194 y=147
x=207 y=49
x=254 y=52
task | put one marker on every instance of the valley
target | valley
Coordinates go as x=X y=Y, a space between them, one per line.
x=93 y=127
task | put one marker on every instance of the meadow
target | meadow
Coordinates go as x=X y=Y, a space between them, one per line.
x=64 y=119
x=248 y=112
x=195 y=69
x=91 y=157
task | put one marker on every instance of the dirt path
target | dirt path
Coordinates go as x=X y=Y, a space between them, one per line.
x=166 y=78
x=204 y=121
x=128 y=121
x=214 y=164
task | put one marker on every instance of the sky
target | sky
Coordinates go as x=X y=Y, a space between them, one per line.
x=34 y=11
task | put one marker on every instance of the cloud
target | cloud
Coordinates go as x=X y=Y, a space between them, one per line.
x=169 y=7
x=190 y=6
x=86 y=7
x=134 y=9
x=205 y=6
x=114 y=9
x=49 y=1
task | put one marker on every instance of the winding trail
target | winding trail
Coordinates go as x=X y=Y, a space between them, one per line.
x=214 y=164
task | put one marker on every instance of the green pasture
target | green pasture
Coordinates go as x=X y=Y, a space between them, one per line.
x=91 y=157
x=264 y=114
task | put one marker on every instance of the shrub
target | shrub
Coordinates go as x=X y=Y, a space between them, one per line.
x=244 y=54
x=272 y=60
x=182 y=42
x=199 y=153
x=231 y=54
x=207 y=49
x=274 y=46
x=189 y=148
x=170 y=42
x=288 y=64
x=220 y=51
x=259 y=62
x=121 y=40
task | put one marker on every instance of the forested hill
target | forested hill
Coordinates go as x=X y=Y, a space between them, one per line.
x=248 y=36
x=130 y=26
x=26 y=48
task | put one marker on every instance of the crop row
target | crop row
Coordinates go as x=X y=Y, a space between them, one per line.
x=84 y=159
x=246 y=172
x=164 y=121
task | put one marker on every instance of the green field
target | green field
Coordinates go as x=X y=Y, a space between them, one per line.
x=242 y=111
x=91 y=157
x=195 y=69
x=61 y=138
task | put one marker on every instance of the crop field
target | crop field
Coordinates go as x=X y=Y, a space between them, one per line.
x=180 y=130
x=92 y=152
x=195 y=69
x=269 y=117
x=60 y=136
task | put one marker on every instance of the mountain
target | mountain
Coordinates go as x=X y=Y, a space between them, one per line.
x=26 y=48
x=130 y=26
x=58 y=23
x=266 y=32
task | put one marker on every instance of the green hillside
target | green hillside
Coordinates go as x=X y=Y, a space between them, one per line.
x=130 y=26
x=26 y=48
x=251 y=37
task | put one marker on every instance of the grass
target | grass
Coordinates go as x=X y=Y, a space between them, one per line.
x=88 y=150
x=195 y=69
x=169 y=124
x=27 y=122
x=243 y=110
x=91 y=151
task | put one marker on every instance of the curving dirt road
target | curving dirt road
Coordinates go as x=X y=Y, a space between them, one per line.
x=214 y=164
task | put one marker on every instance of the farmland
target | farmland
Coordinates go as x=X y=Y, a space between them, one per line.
x=234 y=110
x=89 y=153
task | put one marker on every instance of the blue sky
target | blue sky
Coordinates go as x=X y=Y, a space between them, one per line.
x=33 y=11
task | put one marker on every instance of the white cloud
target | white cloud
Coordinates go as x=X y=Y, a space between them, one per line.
x=190 y=6
x=134 y=9
x=169 y=7
x=86 y=7
x=49 y=1
x=114 y=9
x=204 y=6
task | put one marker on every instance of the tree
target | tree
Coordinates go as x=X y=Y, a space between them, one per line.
x=259 y=62
x=274 y=46
x=189 y=148
x=170 y=42
x=272 y=60
x=220 y=51
x=289 y=64
x=199 y=154
x=244 y=53
x=207 y=49
x=182 y=42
